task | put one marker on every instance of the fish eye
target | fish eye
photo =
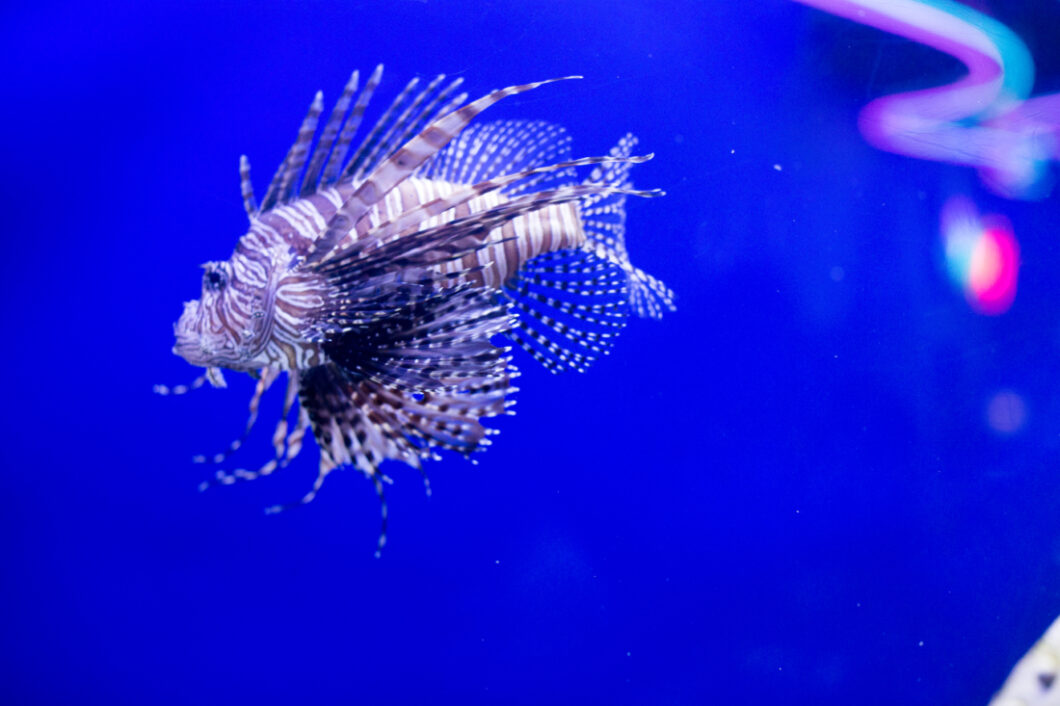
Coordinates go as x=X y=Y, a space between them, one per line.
x=213 y=280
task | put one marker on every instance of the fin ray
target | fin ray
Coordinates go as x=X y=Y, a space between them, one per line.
x=403 y=162
x=329 y=137
x=489 y=150
x=340 y=150
x=285 y=184
x=603 y=217
x=570 y=309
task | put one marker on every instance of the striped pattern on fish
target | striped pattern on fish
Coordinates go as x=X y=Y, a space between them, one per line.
x=551 y=228
x=381 y=276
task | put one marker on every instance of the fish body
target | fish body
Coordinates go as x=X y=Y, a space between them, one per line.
x=382 y=277
x=265 y=254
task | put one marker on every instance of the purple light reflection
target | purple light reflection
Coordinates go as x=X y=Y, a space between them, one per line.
x=1009 y=140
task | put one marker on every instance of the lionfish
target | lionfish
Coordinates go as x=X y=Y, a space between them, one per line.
x=388 y=278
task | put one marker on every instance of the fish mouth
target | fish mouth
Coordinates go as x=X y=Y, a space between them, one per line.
x=200 y=346
x=200 y=350
x=190 y=349
x=188 y=341
x=208 y=351
x=191 y=344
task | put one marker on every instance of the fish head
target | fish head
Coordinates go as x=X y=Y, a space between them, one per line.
x=227 y=326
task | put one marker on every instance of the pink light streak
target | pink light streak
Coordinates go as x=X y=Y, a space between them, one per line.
x=1009 y=139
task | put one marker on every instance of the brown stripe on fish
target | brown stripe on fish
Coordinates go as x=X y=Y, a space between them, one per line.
x=285 y=182
x=483 y=197
x=340 y=149
x=405 y=160
x=328 y=137
x=395 y=132
x=368 y=145
x=246 y=188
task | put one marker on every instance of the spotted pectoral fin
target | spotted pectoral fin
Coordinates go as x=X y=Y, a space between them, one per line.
x=489 y=150
x=571 y=306
x=603 y=217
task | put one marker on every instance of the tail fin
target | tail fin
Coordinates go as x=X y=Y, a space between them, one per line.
x=604 y=220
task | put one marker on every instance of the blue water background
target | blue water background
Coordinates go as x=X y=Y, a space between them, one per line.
x=785 y=492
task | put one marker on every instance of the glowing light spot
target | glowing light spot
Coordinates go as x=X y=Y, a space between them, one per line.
x=996 y=285
x=1006 y=412
x=985 y=266
x=982 y=256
